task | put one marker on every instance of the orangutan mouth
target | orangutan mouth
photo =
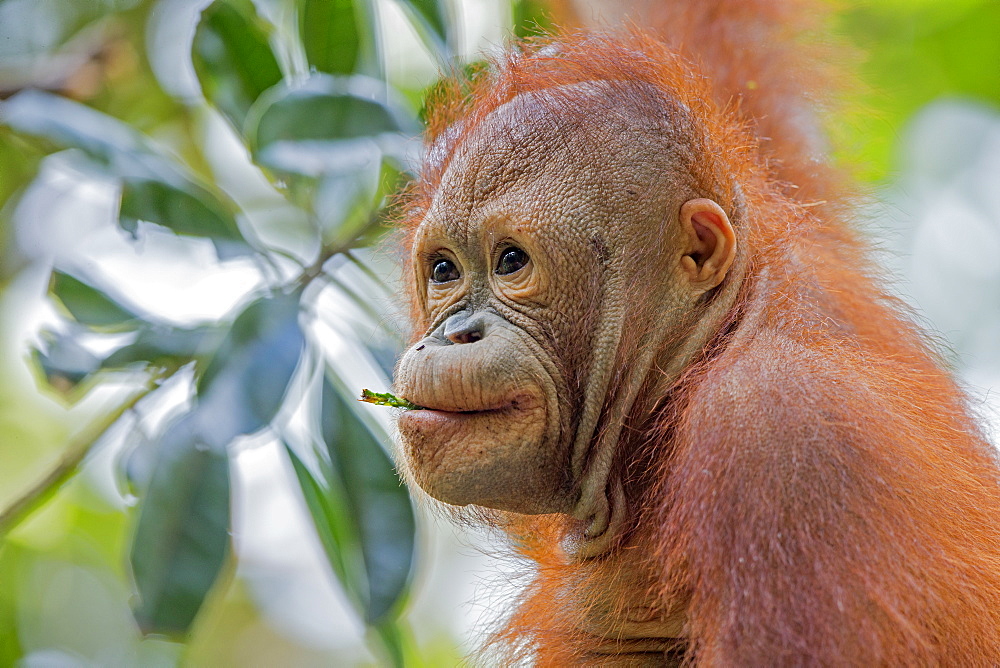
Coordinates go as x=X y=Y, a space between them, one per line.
x=520 y=403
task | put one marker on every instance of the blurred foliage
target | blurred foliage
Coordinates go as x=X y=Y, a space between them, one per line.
x=308 y=100
x=324 y=133
x=913 y=51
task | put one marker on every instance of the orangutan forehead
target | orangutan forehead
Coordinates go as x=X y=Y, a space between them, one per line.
x=592 y=132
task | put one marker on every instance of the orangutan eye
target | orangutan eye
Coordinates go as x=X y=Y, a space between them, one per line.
x=444 y=271
x=512 y=259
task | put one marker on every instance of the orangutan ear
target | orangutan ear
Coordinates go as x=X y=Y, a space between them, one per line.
x=710 y=243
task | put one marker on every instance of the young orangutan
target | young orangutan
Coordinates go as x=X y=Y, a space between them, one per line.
x=648 y=338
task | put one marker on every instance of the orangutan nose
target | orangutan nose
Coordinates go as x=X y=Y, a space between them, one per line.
x=465 y=327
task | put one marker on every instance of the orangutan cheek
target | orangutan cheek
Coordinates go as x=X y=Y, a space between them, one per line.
x=498 y=459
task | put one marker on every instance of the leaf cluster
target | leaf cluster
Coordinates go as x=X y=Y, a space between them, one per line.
x=311 y=106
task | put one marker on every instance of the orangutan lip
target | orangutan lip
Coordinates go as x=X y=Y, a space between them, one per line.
x=519 y=403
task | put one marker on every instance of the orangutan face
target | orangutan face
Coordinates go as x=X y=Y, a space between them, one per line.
x=527 y=268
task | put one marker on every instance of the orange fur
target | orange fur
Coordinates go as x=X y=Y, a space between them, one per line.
x=813 y=488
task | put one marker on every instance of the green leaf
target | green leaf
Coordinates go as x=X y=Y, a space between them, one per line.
x=394 y=641
x=138 y=461
x=348 y=206
x=325 y=501
x=331 y=135
x=325 y=108
x=65 y=124
x=182 y=538
x=64 y=361
x=188 y=212
x=109 y=143
x=363 y=514
x=335 y=35
x=244 y=385
x=88 y=305
x=387 y=399
x=431 y=21
x=350 y=161
x=232 y=59
x=378 y=503
x=156 y=189
x=345 y=202
x=158 y=344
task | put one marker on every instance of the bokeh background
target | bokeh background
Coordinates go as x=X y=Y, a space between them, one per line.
x=922 y=133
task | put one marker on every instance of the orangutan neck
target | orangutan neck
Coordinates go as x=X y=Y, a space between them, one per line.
x=620 y=613
x=602 y=499
x=631 y=620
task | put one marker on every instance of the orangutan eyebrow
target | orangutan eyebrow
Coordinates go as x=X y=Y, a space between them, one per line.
x=428 y=258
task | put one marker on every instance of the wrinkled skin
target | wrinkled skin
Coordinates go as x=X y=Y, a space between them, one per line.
x=515 y=366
